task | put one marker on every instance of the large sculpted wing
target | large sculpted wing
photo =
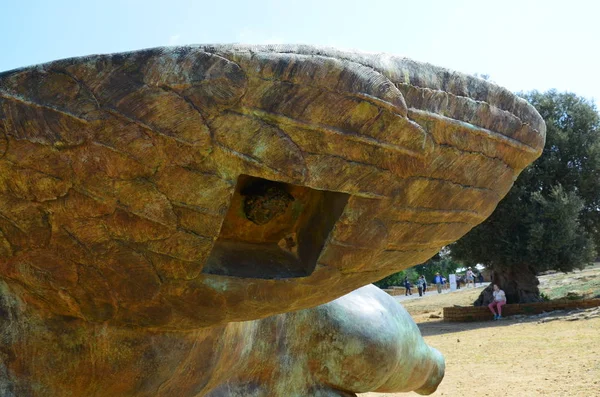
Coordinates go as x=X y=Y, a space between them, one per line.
x=123 y=177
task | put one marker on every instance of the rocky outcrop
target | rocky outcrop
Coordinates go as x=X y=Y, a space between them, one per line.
x=125 y=179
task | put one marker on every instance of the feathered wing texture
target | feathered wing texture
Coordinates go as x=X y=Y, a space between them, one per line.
x=120 y=174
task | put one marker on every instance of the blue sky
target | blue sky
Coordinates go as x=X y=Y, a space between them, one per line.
x=522 y=45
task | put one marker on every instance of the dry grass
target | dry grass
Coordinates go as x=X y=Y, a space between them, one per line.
x=514 y=357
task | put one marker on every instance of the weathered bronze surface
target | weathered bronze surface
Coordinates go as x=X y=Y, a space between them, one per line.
x=149 y=201
x=121 y=177
x=363 y=341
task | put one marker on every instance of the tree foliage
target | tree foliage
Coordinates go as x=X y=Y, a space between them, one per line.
x=441 y=263
x=551 y=217
x=571 y=156
x=397 y=279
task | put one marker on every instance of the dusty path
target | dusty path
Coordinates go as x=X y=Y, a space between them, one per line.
x=433 y=292
x=511 y=357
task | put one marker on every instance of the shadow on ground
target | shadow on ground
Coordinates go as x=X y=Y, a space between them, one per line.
x=441 y=327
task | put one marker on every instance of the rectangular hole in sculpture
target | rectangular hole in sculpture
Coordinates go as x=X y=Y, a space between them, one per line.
x=274 y=230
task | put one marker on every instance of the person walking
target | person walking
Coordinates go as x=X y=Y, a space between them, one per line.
x=499 y=301
x=437 y=280
x=470 y=277
x=424 y=284
x=407 y=290
x=420 y=283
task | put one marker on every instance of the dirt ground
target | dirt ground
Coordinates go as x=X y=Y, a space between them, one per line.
x=513 y=357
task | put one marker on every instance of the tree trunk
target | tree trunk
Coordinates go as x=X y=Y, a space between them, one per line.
x=520 y=284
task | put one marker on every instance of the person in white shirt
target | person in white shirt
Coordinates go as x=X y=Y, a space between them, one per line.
x=499 y=301
x=470 y=277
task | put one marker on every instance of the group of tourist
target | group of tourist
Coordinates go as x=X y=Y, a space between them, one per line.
x=440 y=282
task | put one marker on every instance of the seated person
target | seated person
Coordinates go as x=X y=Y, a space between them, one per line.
x=499 y=301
